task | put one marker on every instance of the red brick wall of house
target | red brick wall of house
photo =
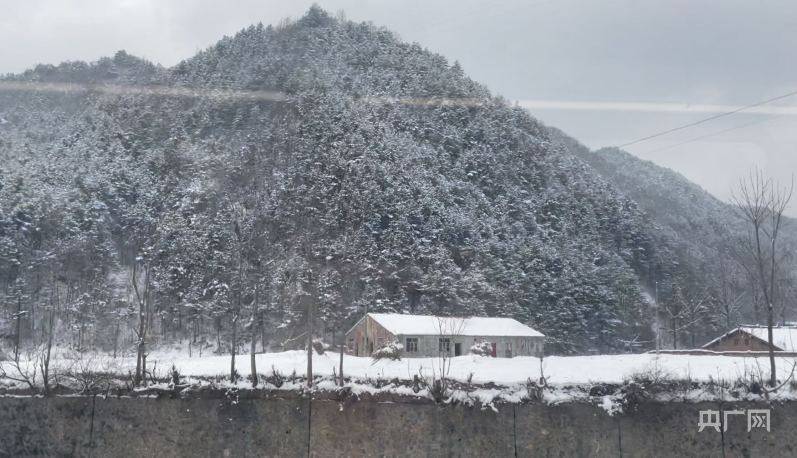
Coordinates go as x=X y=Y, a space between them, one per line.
x=367 y=337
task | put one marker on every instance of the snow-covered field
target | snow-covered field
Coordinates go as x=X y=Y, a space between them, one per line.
x=558 y=370
x=569 y=378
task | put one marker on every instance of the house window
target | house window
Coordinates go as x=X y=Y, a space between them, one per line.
x=444 y=345
x=411 y=345
x=508 y=352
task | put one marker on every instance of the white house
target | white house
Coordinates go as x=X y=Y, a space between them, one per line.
x=427 y=335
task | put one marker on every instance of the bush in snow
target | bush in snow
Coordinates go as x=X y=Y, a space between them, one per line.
x=482 y=349
x=391 y=351
x=276 y=378
x=88 y=372
x=438 y=390
x=653 y=374
x=174 y=373
x=536 y=389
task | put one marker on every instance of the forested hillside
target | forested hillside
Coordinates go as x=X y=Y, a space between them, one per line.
x=318 y=166
x=710 y=236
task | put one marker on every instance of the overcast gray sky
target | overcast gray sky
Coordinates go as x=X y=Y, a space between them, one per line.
x=605 y=71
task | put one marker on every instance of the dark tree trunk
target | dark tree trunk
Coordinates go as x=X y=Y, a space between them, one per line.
x=19 y=328
x=309 y=341
x=253 y=342
x=342 y=346
x=233 y=343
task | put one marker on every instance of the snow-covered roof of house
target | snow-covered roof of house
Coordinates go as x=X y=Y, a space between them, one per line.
x=784 y=337
x=397 y=323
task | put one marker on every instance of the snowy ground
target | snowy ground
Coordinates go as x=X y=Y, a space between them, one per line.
x=483 y=380
x=558 y=370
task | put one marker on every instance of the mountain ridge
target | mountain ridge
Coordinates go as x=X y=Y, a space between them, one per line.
x=364 y=188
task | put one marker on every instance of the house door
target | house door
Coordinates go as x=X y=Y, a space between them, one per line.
x=457 y=349
x=493 y=353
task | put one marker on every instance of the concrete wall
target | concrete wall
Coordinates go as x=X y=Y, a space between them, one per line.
x=80 y=426
x=520 y=346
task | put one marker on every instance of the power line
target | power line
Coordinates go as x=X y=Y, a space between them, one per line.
x=710 y=118
x=742 y=126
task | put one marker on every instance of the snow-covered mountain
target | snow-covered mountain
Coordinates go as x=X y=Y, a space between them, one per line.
x=320 y=162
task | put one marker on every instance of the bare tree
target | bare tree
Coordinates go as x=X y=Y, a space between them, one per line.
x=238 y=214
x=684 y=310
x=342 y=349
x=259 y=309
x=18 y=316
x=449 y=328
x=307 y=284
x=743 y=256
x=142 y=295
x=303 y=279
x=247 y=261
x=308 y=299
x=46 y=351
x=761 y=203
x=255 y=322
x=728 y=284
x=730 y=305
x=24 y=370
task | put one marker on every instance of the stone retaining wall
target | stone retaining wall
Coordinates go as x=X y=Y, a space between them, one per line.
x=94 y=426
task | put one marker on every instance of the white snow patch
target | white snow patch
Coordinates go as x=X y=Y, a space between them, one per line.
x=611 y=404
x=400 y=324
